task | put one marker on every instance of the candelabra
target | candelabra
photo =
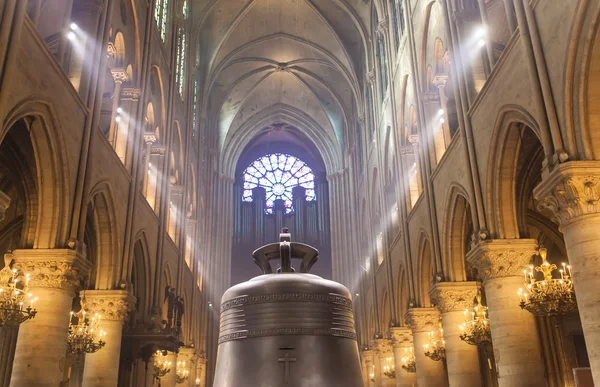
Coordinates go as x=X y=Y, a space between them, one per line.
x=161 y=365
x=548 y=296
x=182 y=373
x=409 y=364
x=85 y=336
x=16 y=303
x=389 y=369
x=372 y=374
x=476 y=328
x=436 y=349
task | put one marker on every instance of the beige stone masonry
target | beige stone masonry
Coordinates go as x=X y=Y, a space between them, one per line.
x=452 y=298
x=402 y=338
x=113 y=306
x=514 y=333
x=42 y=342
x=421 y=321
x=572 y=193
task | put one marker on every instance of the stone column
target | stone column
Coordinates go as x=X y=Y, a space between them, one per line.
x=201 y=371
x=55 y=275
x=514 y=334
x=149 y=139
x=423 y=320
x=402 y=339
x=384 y=350
x=369 y=367
x=119 y=76
x=462 y=359
x=376 y=363
x=169 y=379
x=113 y=306
x=572 y=193
x=188 y=355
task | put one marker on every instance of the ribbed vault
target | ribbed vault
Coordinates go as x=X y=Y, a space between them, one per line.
x=296 y=62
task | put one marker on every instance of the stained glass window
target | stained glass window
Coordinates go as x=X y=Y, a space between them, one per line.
x=278 y=174
x=160 y=15
x=396 y=27
x=185 y=10
x=180 y=65
x=195 y=109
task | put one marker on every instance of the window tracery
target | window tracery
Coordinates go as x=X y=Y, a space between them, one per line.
x=278 y=174
x=160 y=15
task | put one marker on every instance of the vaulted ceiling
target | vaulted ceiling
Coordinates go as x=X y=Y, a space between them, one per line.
x=298 y=62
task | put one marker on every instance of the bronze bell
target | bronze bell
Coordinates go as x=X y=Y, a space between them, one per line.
x=287 y=329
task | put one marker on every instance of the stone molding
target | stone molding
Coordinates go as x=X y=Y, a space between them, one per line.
x=119 y=75
x=570 y=191
x=188 y=355
x=430 y=98
x=4 y=203
x=402 y=337
x=53 y=268
x=502 y=257
x=453 y=296
x=367 y=356
x=130 y=94
x=422 y=319
x=112 y=305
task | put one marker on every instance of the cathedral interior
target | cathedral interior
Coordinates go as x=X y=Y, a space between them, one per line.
x=443 y=156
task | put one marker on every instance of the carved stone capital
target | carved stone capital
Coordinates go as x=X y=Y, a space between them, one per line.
x=370 y=77
x=112 y=305
x=188 y=355
x=53 y=268
x=453 y=296
x=367 y=355
x=430 y=97
x=382 y=27
x=158 y=150
x=570 y=191
x=4 y=203
x=382 y=347
x=502 y=257
x=130 y=94
x=422 y=319
x=439 y=80
x=119 y=75
x=407 y=150
x=402 y=337
x=150 y=137
x=413 y=139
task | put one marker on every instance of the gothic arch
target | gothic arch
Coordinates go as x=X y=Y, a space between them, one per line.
x=102 y=215
x=402 y=296
x=141 y=274
x=425 y=270
x=49 y=190
x=502 y=166
x=456 y=228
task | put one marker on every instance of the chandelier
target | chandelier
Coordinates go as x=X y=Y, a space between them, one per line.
x=436 y=349
x=16 y=303
x=182 y=373
x=161 y=365
x=389 y=369
x=85 y=336
x=548 y=296
x=409 y=364
x=476 y=328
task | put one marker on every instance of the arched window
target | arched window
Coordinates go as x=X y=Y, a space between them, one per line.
x=278 y=174
x=381 y=55
x=400 y=4
x=394 y=6
x=180 y=65
x=195 y=110
x=160 y=15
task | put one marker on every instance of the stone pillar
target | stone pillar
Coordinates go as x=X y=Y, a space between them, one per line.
x=572 y=193
x=384 y=350
x=149 y=139
x=376 y=363
x=169 y=379
x=55 y=275
x=462 y=359
x=423 y=320
x=201 y=371
x=8 y=341
x=514 y=334
x=188 y=355
x=402 y=339
x=119 y=76
x=369 y=367
x=113 y=306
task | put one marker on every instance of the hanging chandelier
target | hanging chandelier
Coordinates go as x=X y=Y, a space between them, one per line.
x=389 y=369
x=182 y=373
x=548 y=296
x=476 y=328
x=161 y=365
x=85 y=335
x=409 y=364
x=16 y=303
x=436 y=349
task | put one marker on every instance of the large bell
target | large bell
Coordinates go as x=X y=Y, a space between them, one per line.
x=287 y=329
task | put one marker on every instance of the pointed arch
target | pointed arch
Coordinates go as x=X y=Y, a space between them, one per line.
x=425 y=270
x=457 y=228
